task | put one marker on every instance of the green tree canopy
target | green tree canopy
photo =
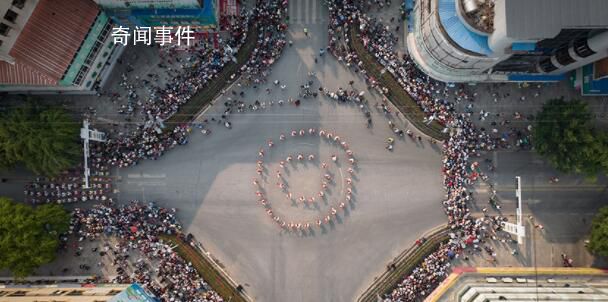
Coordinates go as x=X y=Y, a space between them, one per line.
x=44 y=139
x=565 y=137
x=29 y=237
x=598 y=241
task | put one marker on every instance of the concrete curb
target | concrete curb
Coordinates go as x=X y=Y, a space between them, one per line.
x=207 y=255
x=404 y=263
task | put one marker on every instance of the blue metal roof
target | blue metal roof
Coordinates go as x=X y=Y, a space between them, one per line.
x=458 y=32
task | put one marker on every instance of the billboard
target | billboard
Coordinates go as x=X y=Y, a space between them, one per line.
x=134 y=293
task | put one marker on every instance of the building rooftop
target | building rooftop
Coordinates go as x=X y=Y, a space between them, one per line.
x=68 y=292
x=48 y=42
x=22 y=74
x=458 y=31
x=479 y=14
x=540 y=19
x=522 y=284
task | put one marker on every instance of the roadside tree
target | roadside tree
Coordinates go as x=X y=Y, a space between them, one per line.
x=598 y=241
x=44 y=139
x=565 y=136
x=29 y=237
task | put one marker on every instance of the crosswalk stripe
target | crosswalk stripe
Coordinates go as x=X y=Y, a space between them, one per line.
x=301 y=11
x=313 y=12
x=292 y=11
x=305 y=12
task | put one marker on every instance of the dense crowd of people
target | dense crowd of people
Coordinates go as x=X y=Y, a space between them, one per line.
x=204 y=60
x=148 y=141
x=269 y=16
x=463 y=144
x=137 y=227
x=68 y=188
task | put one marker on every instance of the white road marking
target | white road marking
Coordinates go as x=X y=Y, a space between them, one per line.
x=147 y=183
x=313 y=12
x=145 y=175
x=292 y=9
x=301 y=11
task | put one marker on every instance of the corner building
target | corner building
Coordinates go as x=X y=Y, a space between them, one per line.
x=506 y=40
x=54 y=45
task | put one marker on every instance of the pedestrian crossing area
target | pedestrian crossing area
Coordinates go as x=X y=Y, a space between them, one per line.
x=307 y=12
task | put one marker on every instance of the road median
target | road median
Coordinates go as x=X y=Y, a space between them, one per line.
x=404 y=264
x=210 y=271
x=396 y=94
x=204 y=97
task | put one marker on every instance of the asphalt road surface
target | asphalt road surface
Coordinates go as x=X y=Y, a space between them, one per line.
x=565 y=208
x=397 y=195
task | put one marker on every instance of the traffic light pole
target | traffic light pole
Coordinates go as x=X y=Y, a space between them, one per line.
x=84 y=134
x=87 y=135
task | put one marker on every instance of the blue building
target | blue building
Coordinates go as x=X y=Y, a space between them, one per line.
x=200 y=14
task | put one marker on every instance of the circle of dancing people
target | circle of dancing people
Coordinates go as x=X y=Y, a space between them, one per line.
x=326 y=180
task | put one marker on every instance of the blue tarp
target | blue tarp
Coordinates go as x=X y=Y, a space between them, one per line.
x=458 y=32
